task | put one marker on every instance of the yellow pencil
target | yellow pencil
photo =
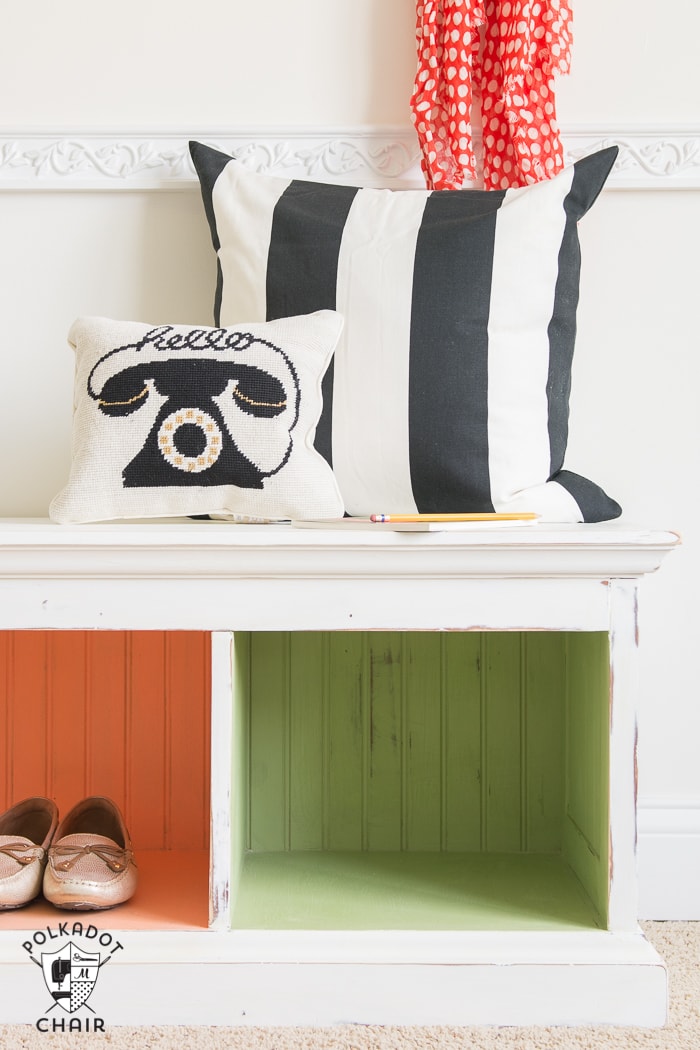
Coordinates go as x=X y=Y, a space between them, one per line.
x=398 y=518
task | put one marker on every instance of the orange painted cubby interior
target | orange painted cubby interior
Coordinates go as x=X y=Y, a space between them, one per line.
x=118 y=713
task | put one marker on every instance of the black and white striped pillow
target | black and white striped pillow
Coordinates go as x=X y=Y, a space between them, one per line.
x=449 y=390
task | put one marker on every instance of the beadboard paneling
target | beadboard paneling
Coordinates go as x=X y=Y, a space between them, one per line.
x=123 y=714
x=418 y=741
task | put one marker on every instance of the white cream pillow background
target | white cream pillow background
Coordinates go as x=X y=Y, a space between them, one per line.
x=119 y=432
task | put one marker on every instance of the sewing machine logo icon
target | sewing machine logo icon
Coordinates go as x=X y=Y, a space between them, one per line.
x=70 y=975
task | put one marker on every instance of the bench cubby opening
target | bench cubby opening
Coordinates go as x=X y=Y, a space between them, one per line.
x=420 y=780
x=124 y=714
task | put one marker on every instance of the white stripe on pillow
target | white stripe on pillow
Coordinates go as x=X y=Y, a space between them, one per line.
x=553 y=502
x=370 y=434
x=521 y=295
x=244 y=290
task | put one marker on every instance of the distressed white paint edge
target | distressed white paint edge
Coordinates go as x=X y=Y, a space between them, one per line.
x=84 y=158
x=622 y=762
x=668 y=859
x=221 y=760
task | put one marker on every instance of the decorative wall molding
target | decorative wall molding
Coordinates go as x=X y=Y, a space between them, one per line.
x=137 y=159
x=160 y=160
x=650 y=157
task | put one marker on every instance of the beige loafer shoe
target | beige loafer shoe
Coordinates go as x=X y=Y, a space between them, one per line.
x=26 y=829
x=91 y=864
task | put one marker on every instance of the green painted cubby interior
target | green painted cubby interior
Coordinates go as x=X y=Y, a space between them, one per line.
x=421 y=780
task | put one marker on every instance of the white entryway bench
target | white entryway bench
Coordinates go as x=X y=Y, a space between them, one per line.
x=423 y=768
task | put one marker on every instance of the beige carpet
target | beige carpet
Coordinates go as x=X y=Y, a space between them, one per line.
x=678 y=943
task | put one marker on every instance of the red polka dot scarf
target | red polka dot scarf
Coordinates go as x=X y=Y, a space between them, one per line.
x=499 y=58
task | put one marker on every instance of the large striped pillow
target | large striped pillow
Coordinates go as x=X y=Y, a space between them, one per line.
x=449 y=390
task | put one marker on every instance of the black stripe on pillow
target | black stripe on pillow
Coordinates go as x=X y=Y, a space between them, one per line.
x=562 y=337
x=448 y=366
x=594 y=503
x=588 y=172
x=302 y=266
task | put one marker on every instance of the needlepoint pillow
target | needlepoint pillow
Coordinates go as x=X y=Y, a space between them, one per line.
x=449 y=389
x=180 y=420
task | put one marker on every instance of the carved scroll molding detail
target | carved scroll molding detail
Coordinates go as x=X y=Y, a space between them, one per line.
x=650 y=158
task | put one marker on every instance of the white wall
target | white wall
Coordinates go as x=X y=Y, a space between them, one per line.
x=633 y=61
x=168 y=64
x=216 y=62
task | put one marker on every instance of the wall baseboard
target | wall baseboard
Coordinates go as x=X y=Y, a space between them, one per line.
x=669 y=859
x=142 y=159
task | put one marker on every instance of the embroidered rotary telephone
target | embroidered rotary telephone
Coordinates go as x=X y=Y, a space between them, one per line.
x=225 y=404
